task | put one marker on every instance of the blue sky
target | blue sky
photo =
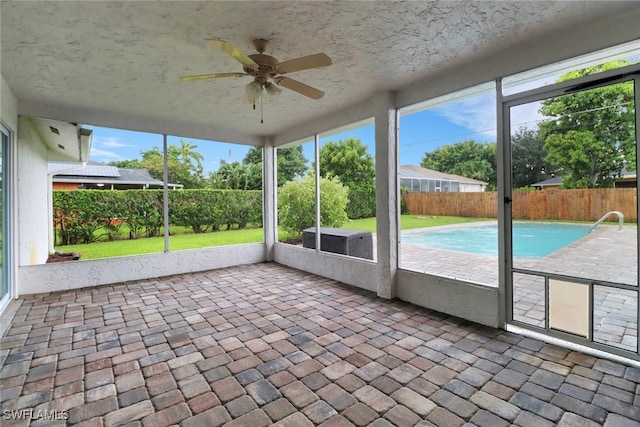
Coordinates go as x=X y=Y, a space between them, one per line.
x=420 y=132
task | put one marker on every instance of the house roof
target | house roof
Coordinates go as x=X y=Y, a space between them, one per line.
x=97 y=173
x=118 y=63
x=91 y=169
x=557 y=180
x=411 y=171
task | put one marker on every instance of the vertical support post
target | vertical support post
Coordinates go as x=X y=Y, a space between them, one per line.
x=503 y=162
x=636 y=93
x=165 y=192
x=387 y=201
x=51 y=230
x=317 y=173
x=269 y=198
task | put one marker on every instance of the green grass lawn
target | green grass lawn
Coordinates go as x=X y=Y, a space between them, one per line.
x=156 y=244
x=409 y=221
x=186 y=240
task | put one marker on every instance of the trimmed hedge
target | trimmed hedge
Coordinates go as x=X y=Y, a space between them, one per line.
x=79 y=214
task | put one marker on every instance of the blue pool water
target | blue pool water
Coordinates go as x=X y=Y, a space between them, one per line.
x=530 y=240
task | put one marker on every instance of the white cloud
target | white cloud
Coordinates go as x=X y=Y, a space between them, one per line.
x=477 y=114
x=526 y=115
x=111 y=142
x=97 y=154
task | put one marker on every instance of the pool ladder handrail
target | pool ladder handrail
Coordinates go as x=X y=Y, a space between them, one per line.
x=607 y=215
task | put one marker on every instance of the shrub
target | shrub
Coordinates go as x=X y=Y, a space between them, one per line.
x=296 y=204
x=78 y=215
x=362 y=200
x=404 y=209
x=210 y=209
x=193 y=208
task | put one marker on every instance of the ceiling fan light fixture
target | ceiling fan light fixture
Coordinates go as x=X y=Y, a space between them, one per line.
x=253 y=90
x=272 y=90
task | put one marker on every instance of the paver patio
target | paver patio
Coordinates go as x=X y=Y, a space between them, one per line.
x=266 y=344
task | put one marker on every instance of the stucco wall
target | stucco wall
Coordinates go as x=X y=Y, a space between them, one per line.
x=33 y=210
x=352 y=271
x=78 y=274
x=8 y=106
x=469 y=301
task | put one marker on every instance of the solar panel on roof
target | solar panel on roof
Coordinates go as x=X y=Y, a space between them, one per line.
x=76 y=169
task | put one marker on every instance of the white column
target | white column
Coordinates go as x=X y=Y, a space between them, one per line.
x=269 y=198
x=165 y=192
x=503 y=153
x=387 y=202
x=316 y=151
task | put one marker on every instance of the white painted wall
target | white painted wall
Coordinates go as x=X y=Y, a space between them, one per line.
x=33 y=211
x=8 y=106
x=352 y=271
x=79 y=274
x=471 y=188
x=473 y=302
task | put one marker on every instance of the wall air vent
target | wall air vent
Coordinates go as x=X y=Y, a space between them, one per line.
x=54 y=130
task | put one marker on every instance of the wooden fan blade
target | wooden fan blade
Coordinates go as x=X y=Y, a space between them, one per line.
x=210 y=76
x=301 y=88
x=304 y=63
x=233 y=51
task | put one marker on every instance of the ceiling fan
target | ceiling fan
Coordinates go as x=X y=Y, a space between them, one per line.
x=266 y=70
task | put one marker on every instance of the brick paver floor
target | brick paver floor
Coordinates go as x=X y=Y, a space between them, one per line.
x=265 y=344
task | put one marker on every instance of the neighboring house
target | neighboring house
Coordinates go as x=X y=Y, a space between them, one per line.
x=626 y=180
x=98 y=176
x=425 y=180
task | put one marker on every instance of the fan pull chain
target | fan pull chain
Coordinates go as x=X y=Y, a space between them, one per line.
x=261 y=110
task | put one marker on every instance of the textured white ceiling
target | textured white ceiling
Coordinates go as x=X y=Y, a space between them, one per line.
x=118 y=63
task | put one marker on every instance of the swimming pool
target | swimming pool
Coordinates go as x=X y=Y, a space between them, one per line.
x=530 y=239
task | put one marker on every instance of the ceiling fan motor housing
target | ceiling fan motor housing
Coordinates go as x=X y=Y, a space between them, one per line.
x=266 y=67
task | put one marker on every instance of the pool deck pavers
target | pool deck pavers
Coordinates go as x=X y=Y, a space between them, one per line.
x=265 y=344
x=606 y=255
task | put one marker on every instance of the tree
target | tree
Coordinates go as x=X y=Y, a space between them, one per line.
x=589 y=135
x=583 y=167
x=253 y=156
x=529 y=162
x=349 y=161
x=291 y=162
x=188 y=153
x=126 y=164
x=236 y=176
x=180 y=171
x=468 y=158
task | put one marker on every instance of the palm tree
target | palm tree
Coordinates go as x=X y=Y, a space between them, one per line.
x=187 y=152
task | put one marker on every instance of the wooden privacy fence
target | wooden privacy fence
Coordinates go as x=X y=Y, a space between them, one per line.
x=574 y=205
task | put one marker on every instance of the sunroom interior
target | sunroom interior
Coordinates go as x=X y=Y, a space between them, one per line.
x=118 y=65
